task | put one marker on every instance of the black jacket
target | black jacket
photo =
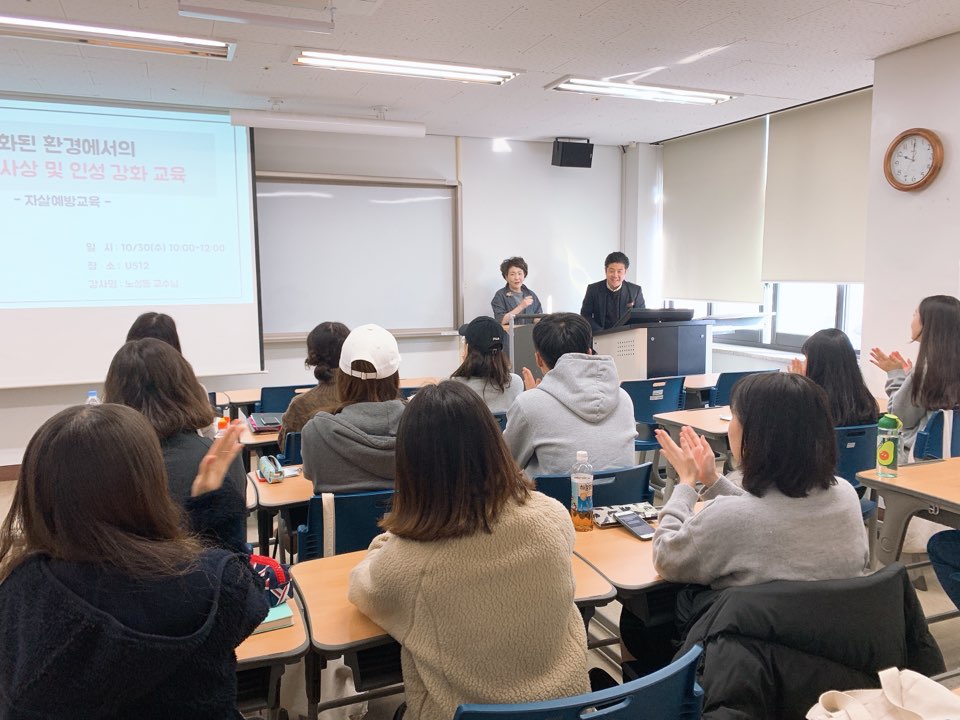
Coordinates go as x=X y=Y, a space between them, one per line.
x=594 y=307
x=770 y=650
x=82 y=641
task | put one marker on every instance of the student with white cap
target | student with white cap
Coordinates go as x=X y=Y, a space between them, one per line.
x=352 y=448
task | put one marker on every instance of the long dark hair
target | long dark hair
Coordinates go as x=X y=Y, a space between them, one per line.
x=492 y=366
x=936 y=378
x=788 y=440
x=152 y=378
x=832 y=364
x=92 y=489
x=454 y=471
x=323 y=349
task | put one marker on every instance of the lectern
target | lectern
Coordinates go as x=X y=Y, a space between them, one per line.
x=657 y=343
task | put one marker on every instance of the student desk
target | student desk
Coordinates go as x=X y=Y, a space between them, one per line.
x=260 y=663
x=338 y=628
x=930 y=490
x=255 y=441
x=706 y=421
x=627 y=563
x=698 y=387
x=275 y=497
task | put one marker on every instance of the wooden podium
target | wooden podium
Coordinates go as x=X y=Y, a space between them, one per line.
x=658 y=349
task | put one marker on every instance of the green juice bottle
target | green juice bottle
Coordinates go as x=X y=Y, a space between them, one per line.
x=888 y=445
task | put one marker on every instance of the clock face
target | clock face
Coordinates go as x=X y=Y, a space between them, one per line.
x=912 y=160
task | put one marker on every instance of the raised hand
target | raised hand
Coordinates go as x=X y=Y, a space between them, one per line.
x=893 y=361
x=216 y=463
x=529 y=381
x=692 y=458
x=798 y=366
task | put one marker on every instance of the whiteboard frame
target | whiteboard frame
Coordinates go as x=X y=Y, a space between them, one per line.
x=456 y=275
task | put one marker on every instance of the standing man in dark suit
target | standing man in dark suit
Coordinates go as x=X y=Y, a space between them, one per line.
x=608 y=299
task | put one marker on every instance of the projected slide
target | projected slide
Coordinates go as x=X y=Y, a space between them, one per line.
x=109 y=212
x=118 y=207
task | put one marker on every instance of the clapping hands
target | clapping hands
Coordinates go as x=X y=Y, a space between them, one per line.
x=893 y=361
x=693 y=458
x=216 y=463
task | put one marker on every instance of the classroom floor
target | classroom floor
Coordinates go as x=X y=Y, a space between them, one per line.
x=293 y=698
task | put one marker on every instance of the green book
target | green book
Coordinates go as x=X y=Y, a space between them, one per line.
x=280 y=616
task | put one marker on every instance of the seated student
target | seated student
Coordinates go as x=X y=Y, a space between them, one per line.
x=108 y=609
x=579 y=405
x=151 y=377
x=915 y=393
x=473 y=575
x=323 y=355
x=352 y=448
x=832 y=364
x=485 y=367
x=162 y=327
x=792 y=520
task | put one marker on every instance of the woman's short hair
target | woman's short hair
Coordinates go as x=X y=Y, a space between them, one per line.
x=93 y=489
x=936 y=377
x=454 y=471
x=788 y=440
x=513 y=262
x=152 y=378
x=832 y=364
x=323 y=349
x=155 y=325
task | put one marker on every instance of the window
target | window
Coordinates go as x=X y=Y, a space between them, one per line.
x=792 y=313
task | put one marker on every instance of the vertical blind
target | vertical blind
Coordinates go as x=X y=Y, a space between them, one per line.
x=815 y=213
x=713 y=195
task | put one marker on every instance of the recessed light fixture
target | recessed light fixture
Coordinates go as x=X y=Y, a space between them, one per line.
x=408 y=68
x=501 y=145
x=38 y=29
x=653 y=93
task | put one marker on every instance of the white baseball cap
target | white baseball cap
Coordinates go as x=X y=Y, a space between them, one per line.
x=375 y=345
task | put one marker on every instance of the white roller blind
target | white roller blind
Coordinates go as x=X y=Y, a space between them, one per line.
x=816 y=206
x=713 y=185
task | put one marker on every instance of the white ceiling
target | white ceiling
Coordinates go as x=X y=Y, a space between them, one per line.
x=775 y=54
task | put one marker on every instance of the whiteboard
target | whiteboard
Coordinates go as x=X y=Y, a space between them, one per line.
x=357 y=253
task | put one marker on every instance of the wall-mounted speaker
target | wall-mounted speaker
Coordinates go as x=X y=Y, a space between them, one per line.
x=568 y=152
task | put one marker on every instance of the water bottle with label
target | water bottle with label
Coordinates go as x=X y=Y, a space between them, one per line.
x=581 y=491
x=92 y=398
x=888 y=445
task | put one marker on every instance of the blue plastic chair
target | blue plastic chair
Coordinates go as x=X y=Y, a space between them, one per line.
x=501 y=418
x=277 y=399
x=650 y=397
x=291 y=450
x=355 y=522
x=720 y=394
x=928 y=444
x=616 y=486
x=408 y=392
x=668 y=694
x=857 y=451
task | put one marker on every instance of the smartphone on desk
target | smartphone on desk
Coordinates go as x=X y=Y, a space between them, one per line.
x=635 y=524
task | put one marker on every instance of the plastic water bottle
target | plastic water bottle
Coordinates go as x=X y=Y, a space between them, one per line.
x=92 y=398
x=581 y=493
x=888 y=445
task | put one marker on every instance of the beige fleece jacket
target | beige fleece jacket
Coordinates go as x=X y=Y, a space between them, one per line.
x=487 y=618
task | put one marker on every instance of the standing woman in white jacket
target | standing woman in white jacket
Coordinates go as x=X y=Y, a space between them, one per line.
x=915 y=393
x=473 y=575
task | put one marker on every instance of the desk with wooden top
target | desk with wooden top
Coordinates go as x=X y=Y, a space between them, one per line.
x=255 y=441
x=274 y=497
x=261 y=660
x=339 y=629
x=930 y=490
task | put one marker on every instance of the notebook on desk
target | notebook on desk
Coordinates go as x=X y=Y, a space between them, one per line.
x=265 y=422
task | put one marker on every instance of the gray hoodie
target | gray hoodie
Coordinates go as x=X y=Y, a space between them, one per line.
x=578 y=406
x=352 y=451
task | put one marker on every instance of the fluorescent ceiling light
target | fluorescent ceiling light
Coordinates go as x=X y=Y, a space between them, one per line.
x=408 y=68
x=320 y=123
x=639 y=92
x=37 y=29
x=209 y=12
